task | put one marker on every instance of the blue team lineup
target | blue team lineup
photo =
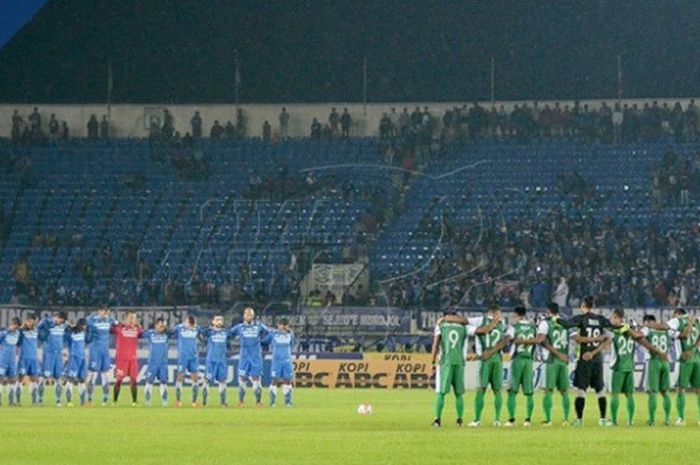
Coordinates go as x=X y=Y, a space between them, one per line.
x=77 y=355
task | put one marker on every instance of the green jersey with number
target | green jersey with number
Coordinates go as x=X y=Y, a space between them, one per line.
x=524 y=330
x=660 y=340
x=558 y=338
x=489 y=340
x=452 y=338
x=623 y=351
x=690 y=342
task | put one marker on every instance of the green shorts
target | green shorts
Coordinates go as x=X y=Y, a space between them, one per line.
x=449 y=377
x=557 y=375
x=622 y=382
x=491 y=372
x=689 y=374
x=521 y=375
x=658 y=376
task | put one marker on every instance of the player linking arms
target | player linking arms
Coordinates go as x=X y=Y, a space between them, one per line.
x=9 y=339
x=52 y=333
x=448 y=343
x=658 y=370
x=157 y=361
x=282 y=342
x=216 y=368
x=250 y=334
x=187 y=335
x=76 y=371
x=523 y=336
x=28 y=361
x=554 y=337
x=127 y=364
x=99 y=328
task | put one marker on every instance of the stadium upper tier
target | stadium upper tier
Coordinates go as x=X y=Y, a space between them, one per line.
x=122 y=220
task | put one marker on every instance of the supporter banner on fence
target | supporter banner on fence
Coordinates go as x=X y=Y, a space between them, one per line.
x=349 y=319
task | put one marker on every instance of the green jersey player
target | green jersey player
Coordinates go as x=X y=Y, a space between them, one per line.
x=490 y=338
x=686 y=329
x=448 y=343
x=554 y=338
x=522 y=333
x=658 y=370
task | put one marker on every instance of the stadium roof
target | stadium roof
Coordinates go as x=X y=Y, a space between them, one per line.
x=313 y=51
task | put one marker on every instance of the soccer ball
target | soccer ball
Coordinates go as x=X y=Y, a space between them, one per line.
x=364 y=409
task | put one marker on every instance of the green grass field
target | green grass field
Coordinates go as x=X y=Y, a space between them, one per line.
x=324 y=427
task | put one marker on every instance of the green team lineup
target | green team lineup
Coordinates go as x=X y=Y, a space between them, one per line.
x=553 y=339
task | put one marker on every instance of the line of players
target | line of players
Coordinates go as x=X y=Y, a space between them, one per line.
x=19 y=357
x=593 y=333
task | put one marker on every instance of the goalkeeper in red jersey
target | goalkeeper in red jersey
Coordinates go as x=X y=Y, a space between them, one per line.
x=127 y=335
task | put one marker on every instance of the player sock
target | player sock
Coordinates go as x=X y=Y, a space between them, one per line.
x=90 y=387
x=530 y=405
x=40 y=391
x=652 y=407
x=117 y=388
x=195 y=392
x=34 y=392
x=579 y=405
x=241 y=392
x=222 y=393
x=667 y=406
x=630 y=408
x=273 y=394
x=69 y=392
x=18 y=391
x=257 y=390
x=164 y=393
x=58 y=390
x=105 y=388
x=479 y=404
x=498 y=404
x=547 y=406
x=134 y=391
x=148 y=393
x=614 y=404
x=566 y=405
x=205 y=394
x=697 y=400
x=602 y=404
x=680 y=404
x=178 y=391
x=2 y=388
x=459 y=404
x=511 y=404
x=10 y=394
x=439 y=404
x=82 y=390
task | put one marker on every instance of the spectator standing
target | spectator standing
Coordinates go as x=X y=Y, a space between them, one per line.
x=92 y=127
x=216 y=130
x=284 y=124
x=53 y=126
x=196 y=123
x=104 y=128
x=315 y=129
x=345 y=122
x=64 y=130
x=334 y=120
x=35 y=121
x=266 y=131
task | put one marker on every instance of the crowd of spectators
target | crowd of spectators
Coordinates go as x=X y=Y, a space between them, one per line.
x=36 y=130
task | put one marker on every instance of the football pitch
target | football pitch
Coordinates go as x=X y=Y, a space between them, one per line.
x=324 y=427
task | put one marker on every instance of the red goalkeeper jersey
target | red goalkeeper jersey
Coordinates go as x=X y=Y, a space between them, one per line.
x=127 y=341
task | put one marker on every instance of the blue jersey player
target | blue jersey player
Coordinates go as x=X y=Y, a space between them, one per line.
x=76 y=371
x=99 y=328
x=282 y=343
x=157 y=361
x=9 y=339
x=250 y=333
x=217 y=338
x=187 y=335
x=28 y=357
x=52 y=333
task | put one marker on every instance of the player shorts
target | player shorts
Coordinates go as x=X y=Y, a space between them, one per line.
x=282 y=370
x=491 y=373
x=521 y=375
x=216 y=371
x=250 y=368
x=100 y=361
x=658 y=376
x=8 y=367
x=28 y=367
x=77 y=368
x=449 y=377
x=52 y=366
x=157 y=371
x=126 y=369
x=622 y=382
x=188 y=366
x=589 y=374
x=556 y=376
x=689 y=374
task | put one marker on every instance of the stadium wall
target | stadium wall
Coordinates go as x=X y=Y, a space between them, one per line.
x=131 y=120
